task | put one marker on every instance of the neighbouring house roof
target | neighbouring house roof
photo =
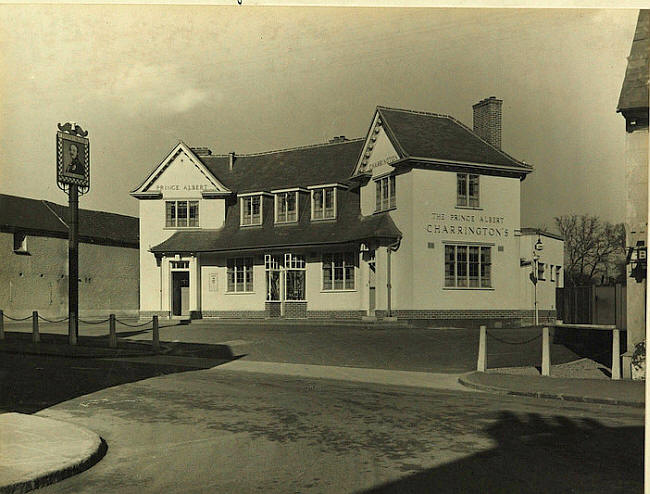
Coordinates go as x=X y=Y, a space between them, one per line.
x=433 y=136
x=39 y=217
x=349 y=227
x=634 y=93
x=302 y=166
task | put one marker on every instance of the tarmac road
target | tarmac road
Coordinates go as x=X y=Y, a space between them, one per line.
x=224 y=431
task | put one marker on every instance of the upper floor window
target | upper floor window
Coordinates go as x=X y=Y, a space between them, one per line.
x=286 y=207
x=385 y=193
x=540 y=271
x=20 y=243
x=467 y=190
x=323 y=203
x=251 y=210
x=181 y=214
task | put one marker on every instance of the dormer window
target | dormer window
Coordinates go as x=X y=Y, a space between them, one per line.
x=251 y=210
x=286 y=207
x=323 y=203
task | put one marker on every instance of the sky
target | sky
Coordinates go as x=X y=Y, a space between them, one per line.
x=139 y=78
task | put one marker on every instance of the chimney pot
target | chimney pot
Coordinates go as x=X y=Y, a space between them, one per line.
x=231 y=160
x=487 y=120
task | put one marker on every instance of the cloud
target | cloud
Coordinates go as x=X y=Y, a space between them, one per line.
x=163 y=88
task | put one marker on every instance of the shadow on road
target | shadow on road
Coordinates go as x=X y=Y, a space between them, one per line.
x=537 y=454
x=37 y=376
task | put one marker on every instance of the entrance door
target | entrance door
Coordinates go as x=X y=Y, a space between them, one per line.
x=180 y=293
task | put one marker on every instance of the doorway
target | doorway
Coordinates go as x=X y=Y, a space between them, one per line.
x=180 y=293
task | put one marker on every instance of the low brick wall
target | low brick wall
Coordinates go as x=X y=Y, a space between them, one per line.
x=335 y=314
x=233 y=314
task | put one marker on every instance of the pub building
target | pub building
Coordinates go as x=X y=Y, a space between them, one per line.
x=419 y=220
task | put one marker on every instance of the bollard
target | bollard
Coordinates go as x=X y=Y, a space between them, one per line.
x=546 y=352
x=2 y=325
x=481 y=365
x=112 y=336
x=72 y=335
x=156 y=336
x=616 y=354
x=36 y=337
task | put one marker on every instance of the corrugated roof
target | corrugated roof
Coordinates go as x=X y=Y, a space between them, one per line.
x=303 y=166
x=45 y=217
x=634 y=93
x=441 y=137
x=350 y=226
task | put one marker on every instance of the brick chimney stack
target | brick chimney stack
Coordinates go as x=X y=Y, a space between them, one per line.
x=487 y=120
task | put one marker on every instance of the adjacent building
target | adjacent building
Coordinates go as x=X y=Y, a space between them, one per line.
x=34 y=267
x=419 y=220
x=633 y=105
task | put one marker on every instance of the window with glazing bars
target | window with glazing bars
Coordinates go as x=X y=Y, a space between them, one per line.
x=251 y=208
x=181 y=214
x=240 y=274
x=338 y=271
x=467 y=190
x=322 y=203
x=385 y=193
x=286 y=207
x=468 y=266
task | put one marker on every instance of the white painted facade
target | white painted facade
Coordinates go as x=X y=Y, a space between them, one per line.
x=409 y=276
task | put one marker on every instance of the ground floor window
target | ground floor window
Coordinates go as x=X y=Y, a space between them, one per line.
x=338 y=271
x=240 y=274
x=468 y=266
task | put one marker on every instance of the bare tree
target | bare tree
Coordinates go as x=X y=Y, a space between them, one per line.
x=592 y=248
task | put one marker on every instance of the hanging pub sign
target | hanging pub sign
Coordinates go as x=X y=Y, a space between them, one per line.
x=72 y=157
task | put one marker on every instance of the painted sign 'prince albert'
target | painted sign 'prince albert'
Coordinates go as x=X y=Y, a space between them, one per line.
x=73 y=167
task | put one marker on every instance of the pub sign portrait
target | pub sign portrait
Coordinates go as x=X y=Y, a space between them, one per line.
x=73 y=160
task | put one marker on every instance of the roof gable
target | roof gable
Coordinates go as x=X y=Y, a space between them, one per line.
x=434 y=136
x=379 y=148
x=634 y=93
x=182 y=168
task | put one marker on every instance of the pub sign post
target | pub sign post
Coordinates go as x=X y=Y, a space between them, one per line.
x=73 y=177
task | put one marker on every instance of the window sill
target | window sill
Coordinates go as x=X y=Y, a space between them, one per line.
x=342 y=290
x=477 y=208
x=182 y=228
x=250 y=225
x=323 y=220
x=484 y=288
x=239 y=293
x=377 y=211
x=286 y=223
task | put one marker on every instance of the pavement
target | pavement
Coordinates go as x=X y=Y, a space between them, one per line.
x=36 y=451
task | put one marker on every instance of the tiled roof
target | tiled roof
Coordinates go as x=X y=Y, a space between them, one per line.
x=435 y=136
x=49 y=218
x=349 y=227
x=634 y=93
x=304 y=166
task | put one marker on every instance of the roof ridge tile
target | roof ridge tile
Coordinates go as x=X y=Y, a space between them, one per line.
x=284 y=150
